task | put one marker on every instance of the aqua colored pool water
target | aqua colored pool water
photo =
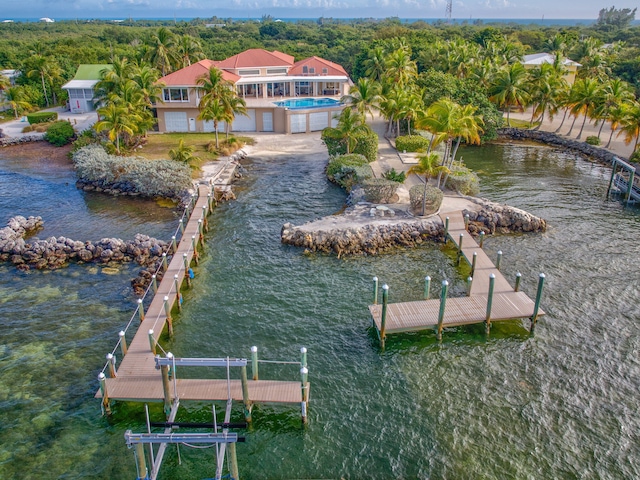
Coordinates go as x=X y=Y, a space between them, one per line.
x=300 y=103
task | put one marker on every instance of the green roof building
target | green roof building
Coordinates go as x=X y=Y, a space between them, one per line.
x=81 y=88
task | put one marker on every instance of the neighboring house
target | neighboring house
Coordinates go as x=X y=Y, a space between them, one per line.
x=81 y=87
x=272 y=85
x=536 y=59
x=11 y=75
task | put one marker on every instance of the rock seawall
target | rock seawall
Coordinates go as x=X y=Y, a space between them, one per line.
x=34 y=137
x=356 y=232
x=53 y=253
x=548 y=138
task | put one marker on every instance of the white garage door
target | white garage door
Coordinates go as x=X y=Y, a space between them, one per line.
x=318 y=121
x=298 y=123
x=267 y=122
x=245 y=123
x=176 y=122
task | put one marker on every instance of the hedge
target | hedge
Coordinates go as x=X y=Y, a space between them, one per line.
x=412 y=143
x=379 y=190
x=348 y=170
x=42 y=117
x=151 y=178
x=367 y=145
x=463 y=180
x=59 y=133
x=433 y=200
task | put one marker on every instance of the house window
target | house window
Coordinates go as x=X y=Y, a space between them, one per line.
x=325 y=71
x=248 y=73
x=276 y=71
x=312 y=70
x=176 y=94
x=305 y=70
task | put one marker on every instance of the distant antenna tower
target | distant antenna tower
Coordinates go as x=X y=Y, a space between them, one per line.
x=448 y=11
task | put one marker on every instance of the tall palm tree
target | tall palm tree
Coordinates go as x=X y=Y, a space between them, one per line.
x=189 y=50
x=233 y=106
x=117 y=120
x=410 y=105
x=147 y=79
x=374 y=65
x=349 y=126
x=584 y=96
x=215 y=112
x=616 y=115
x=400 y=68
x=428 y=166
x=613 y=93
x=630 y=124
x=212 y=84
x=40 y=66
x=15 y=97
x=545 y=84
x=163 y=53
x=509 y=88
x=364 y=96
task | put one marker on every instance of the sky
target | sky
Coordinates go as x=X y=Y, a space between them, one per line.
x=461 y=9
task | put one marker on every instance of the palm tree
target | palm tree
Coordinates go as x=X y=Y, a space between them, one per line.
x=212 y=84
x=375 y=64
x=214 y=111
x=4 y=83
x=428 y=166
x=189 y=50
x=616 y=115
x=545 y=84
x=613 y=93
x=40 y=67
x=509 y=88
x=147 y=79
x=163 y=53
x=182 y=153
x=118 y=120
x=410 y=105
x=349 y=126
x=400 y=68
x=584 y=96
x=630 y=124
x=233 y=106
x=364 y=96
x=15 y=97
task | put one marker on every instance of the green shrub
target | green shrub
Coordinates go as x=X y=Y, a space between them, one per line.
x=87 y=137
x=59 y=133
x=379 y=190
x=366 y=145
x=635 y=157
x=434 y=198
x=150 y=178
x=348 y=170
x=463 y=180
x=593 y=140
x=412 y=143
x=395 y=176
x=42 y=117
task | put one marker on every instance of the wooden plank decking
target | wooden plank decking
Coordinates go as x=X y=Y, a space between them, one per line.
x=420 y=315
x=137 y=377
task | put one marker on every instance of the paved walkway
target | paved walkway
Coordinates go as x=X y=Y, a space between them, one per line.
x=80 y=122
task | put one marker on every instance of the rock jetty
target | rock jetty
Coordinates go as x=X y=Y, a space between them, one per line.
x=360 y=231
x=57 y=252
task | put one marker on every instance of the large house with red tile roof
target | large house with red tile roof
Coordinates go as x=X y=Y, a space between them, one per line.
x=282 y=96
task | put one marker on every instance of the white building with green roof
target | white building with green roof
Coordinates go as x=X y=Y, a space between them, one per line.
x=81 y=87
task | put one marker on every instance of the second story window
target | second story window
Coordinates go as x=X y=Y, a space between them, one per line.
x=176 y=94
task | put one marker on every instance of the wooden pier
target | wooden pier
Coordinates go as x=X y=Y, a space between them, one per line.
x=490 y=297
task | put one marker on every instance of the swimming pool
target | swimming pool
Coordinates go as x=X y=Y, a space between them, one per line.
x=300 y=103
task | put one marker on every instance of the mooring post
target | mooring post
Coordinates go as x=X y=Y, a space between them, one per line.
x=164 y=261
x=123 y=342
x=518 y=278
x=460 y=248
x=154 y=283
x=254 y=362
x=194 y=244
x=304 y=372
x=103 y=390
x=443 y=302
x=492 y=282
x=205 y=222
x=111 y=360
x=181 y=223
x=166 y=390
x=536 y=306
x=383 y=319
x=174 y=245
x=200 y=232
x=210 y=201
x=245 y=394
x=427 y=287
x=303 y=356
x=630 y=186
x=481 y=238
x=176 y=284
x=152 y=342
x=233 y=462
x=167 y=311
x=446 y=229
x=185 y=258
x=466 y=221
x=141 y=310
x=375 y=290
x=613 y=174
x=141 y=463
x=469 y=284
x=474 y=259
x=498 y=259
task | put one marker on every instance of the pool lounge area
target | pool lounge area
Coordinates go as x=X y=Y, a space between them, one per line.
x=304 y=103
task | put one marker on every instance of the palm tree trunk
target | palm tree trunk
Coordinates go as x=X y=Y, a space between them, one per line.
x=424 y=196
x=455 y=152
x=533 y=113
x=44 y=88
x=610 y=137
x=566 y=110
x=433 y=137
x=409 y=128
x=581 y=128
x=601 y=125
x=216 y=130
x=572 y=124
x=508 y=116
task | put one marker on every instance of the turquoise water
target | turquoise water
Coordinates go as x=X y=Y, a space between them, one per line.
x=298 y=104
x=559 y=404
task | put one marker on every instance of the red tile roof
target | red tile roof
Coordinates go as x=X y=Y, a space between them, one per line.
x=318 y=64
x=257 y=57
x=188 y=76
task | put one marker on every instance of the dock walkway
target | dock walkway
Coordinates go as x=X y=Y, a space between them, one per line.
x=506 y=302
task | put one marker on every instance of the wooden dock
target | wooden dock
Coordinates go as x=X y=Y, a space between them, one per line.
x=506 y=302
x=137 y=377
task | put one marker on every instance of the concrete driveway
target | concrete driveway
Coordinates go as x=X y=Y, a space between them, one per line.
x=80 y=122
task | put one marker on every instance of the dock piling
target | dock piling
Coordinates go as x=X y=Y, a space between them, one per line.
x=111 y=360
x=518 y=279
x=166 y=390
x=245 y=394
x=383 y=321
x=141 y=310
x=536 y=306
x=303 y=356
x=152 y=342
x=427 y=287
x=446 y=229
x=141 y=463
x=466 y=221
x=176 y=284
x=498 y=259
x=443 y=302
x=174 y=245
x=233 y=461
x=629 y=186
x=469 y=284
x=185 y=258
x=481 y=238
x=181 y=223
x=460 y=249
x=375 y=290
x=194 y=244
x=492 y=282
x=123 y=343
x=167 y=311
x=473 y=263
x=102 y=379
x=164 y=261
x=154 y=283
x=254 y=362
x=205 y=222
x=304 y=372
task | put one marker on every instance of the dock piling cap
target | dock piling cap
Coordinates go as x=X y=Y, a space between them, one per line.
x=254 y=349
x=303 y=350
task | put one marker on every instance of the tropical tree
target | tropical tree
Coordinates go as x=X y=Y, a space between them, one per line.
x=182 y=153
x=410 y=106
x=41 y=67
x=400 y=68
x=428 y=166
x=189 y=50
x=613 y=93
x=630 y=124
x=147 y=79
x=213 y=111
x=16 y=99
x=233 y=106
x=118 y=121
x=349 y=127
x=212 y=84
x=545 y=86
x=163 y=54
x=374 y=64
x=509 y=88
x=583 y=98
x=616 y=116
x=364 y=96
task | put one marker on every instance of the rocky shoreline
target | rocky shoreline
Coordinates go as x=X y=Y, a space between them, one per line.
x=53 y=253
x=356 y=232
